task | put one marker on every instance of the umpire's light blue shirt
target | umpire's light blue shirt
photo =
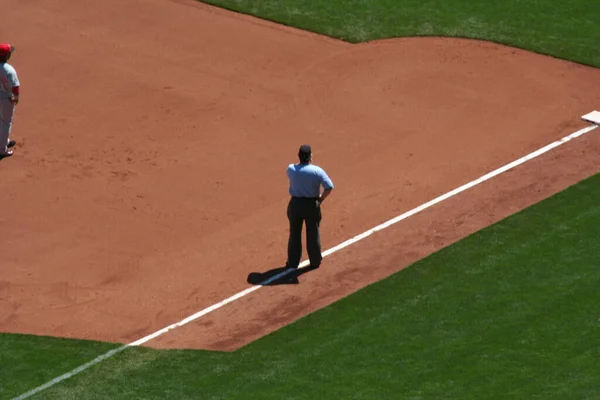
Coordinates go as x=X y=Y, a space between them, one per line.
x=306 y=180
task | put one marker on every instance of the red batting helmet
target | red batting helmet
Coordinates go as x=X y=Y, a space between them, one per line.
x=6 y=49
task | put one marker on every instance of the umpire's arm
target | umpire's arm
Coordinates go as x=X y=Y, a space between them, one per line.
x=324 y=195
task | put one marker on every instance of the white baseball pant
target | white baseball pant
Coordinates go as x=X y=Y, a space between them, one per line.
x=7 y=110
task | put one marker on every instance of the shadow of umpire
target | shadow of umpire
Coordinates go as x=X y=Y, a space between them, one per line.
x=278 y=276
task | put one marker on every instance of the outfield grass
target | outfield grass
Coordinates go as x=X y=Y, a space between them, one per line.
x=567 y=29
x=509 y=312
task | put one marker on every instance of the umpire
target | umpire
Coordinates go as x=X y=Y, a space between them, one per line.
x=306 y=180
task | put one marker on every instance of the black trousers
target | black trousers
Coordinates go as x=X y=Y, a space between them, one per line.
x=300 y=211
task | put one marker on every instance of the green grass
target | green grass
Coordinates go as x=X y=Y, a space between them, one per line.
x=27 y=360
x=509 y=312
x=567 y=29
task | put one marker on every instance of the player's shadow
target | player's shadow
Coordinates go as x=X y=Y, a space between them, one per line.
x=278 y=276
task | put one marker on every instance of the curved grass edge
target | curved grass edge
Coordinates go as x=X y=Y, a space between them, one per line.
x=578 y=48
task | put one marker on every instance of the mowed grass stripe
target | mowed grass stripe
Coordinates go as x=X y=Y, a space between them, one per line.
x=564 y=29
x=509 y=312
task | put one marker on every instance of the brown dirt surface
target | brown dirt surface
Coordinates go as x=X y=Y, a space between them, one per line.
x=149 y=176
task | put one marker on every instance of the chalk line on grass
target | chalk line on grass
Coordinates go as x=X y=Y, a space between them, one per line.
x=305 y=263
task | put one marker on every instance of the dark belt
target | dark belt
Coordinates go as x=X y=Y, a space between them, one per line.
x=305 y=198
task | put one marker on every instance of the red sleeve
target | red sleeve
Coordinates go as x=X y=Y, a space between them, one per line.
x=15 y=90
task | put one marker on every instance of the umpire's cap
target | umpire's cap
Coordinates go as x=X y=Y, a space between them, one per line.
x=6 y=49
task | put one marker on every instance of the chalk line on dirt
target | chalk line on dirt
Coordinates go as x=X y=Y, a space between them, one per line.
x=305 y=263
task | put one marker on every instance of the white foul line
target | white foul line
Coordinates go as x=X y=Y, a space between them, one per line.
x=305 y=263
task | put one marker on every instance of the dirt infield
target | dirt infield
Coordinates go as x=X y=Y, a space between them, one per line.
x=149 y=178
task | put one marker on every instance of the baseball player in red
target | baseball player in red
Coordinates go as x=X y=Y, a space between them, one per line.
x=9 y=97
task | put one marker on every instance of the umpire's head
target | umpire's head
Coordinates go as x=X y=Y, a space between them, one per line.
x=305 y=154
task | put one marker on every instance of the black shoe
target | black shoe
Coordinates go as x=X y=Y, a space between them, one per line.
x=11 y=143
x=7 y=154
